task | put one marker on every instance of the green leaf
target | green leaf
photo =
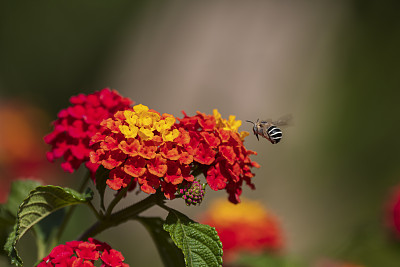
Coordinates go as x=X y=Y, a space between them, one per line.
x=8 y=211
x=170 y=254
x=18 y=192
x=199 y=243
x=46 y=232
x=6 y=223
x=41 y=202
x=102 y=175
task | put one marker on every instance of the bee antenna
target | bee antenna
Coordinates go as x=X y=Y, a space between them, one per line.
x=250 y=122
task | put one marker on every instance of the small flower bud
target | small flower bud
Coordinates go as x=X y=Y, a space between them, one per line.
x=193 y=193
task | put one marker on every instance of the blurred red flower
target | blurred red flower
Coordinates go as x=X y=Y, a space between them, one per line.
x=85 y=254
x=78 y=123
x=247 y=227
x=393 y=212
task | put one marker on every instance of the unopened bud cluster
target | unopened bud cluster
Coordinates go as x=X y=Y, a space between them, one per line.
x=193 y=194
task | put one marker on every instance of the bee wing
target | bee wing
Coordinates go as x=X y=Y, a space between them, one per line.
x=284 y=120
x=266 y=121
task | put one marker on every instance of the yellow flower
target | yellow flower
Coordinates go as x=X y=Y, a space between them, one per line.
x=229 y=125
x=140 y=108
x=143 y=122
x=146 y=134
x=131 y=117
x=232 y=124
x=169 y=121
x=243 y=135
x=170 y=135
x=129 y=131
x=217 y=115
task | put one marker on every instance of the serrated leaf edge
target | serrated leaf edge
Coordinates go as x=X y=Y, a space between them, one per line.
x=191 y=222
x=15 y=235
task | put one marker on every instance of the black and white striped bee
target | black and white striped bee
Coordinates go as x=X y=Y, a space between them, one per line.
x=269 y=130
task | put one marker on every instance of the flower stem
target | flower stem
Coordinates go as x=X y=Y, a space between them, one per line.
x=197 y=170
x=98 y=216
x=72 y=208
x=117 y=199
x=122 y=216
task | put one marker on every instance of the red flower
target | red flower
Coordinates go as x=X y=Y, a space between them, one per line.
x=83 y=254
x=246 y=227
x=141 y=146
x=216 y=145
x=393 y=213
x=77 y=124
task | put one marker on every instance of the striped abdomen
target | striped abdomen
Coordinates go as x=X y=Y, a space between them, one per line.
x=274 y=134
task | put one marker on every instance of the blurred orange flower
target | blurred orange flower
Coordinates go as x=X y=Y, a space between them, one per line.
x=22 y=152
x=244 y=227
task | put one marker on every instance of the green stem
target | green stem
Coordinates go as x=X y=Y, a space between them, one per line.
x=115 y=201
x=122 y=216
x=165 y=207
x=98 y=216
x=198 y=169
x=72 y=208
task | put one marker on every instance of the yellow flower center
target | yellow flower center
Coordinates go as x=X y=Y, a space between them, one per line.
x=142 y=122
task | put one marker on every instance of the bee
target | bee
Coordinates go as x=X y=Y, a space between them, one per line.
x=269 y=130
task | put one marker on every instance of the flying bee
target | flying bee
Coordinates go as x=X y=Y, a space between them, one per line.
x=269 y=130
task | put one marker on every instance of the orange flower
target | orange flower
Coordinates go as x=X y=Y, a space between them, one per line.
x=141 y=145
x=246 y=227
x=20 y=146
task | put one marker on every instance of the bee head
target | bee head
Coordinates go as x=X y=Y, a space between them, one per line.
x=254 y=129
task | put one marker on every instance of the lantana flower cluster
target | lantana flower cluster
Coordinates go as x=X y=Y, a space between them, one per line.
x=244 y=228
x=84 y=254
x=218 y=148
x=78 y=123
x=142 y=147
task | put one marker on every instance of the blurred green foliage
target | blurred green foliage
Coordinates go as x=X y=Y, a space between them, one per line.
x=359 y=145
x=51 y=50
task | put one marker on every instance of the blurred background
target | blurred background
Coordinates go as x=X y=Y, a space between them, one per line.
x=333 y=65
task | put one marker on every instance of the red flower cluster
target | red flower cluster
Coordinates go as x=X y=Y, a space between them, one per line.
x=139 y=145
x=142 y=146
x=246 y=227
x=78 y=123
x=83 y=254
x=217 y=146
